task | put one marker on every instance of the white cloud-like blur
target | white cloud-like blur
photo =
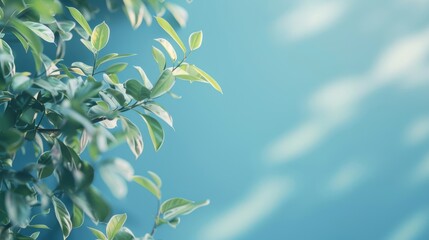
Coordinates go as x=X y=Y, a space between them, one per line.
x=333 y=104
x=255 y=207
x=347 y=177
x=309 y=18
x=411 y=228
x=417 y=131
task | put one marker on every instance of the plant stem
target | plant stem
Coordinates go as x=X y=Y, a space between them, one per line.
x=158 y=212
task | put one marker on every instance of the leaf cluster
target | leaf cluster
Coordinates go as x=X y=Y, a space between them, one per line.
x=56 y=112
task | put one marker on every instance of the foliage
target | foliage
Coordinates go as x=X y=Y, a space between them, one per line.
x=56 y=112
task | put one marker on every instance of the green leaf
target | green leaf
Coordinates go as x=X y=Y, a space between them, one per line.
x=78 y=218
x=88 y=45
x=149 y=185
x=110 y=57
x=156 y=179
x=22 y=40
x=208 y=78
x=98 y=234
x=135 y=11
x=41 y=30
x=133 y=136
x=115 y=224
x=155 y=131
x=100 y=36
x=159 y=112
x=159 y=58
x=63 y=216
x=124 y=234
x=115 y=68
x=168 y=47
x=135 y=89
x=175 y=207
x=146 y=81
x=163 y=85
x=38 y=226
x=80 y=19
x=170 y=31
x=195 y=40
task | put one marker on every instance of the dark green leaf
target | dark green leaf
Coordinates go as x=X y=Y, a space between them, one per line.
x=136 y=90
x=155 y=131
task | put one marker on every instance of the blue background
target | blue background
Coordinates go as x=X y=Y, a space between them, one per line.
x=322 y=131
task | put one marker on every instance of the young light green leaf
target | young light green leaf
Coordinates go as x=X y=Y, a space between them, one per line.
x=168 y=47
x=135 y=11
x=77 y=218
x=163 y=85
x=98 y=234
x=63 y=216
x=88 y=45
x=159 y=112
x=170 y=31
x=155 y=131
x=208 y=78
x=178 y=206
x=38 y=226
x=146 y=81
x=159 y=58
x=149 y=185
x=125 y=234
x=195 y=40
x=80 y=19
x=110 y=57
x=41 y=30
x=156 y=179
x=100 y=36
x=115 y=224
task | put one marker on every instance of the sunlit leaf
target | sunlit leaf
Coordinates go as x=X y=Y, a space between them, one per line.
x=41 y=30
x=149 y=185
x=159 y=58
x=170 y=31
x=63 y=216
x=80 y=19
x=163 y=85
x=168 y=47
x=115 y=224
x=195 y=40
x=155 y=131
x=100 y=36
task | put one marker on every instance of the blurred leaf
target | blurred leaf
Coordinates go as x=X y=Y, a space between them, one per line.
x=18 y=209
x=178 y=12
x=90 y=201
x=114 y=172
x=135 y=11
